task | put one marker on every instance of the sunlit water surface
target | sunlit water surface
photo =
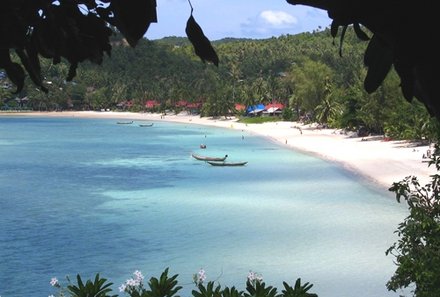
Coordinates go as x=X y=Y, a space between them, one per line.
x=90 y=196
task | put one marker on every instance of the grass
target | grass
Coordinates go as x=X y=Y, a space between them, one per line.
x=258 y=120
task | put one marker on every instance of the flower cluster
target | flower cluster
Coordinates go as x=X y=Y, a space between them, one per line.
x=199 y=277
x=54 y=282
x=132 y=283
x=254 y=278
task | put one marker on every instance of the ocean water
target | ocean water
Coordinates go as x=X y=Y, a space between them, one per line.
x=90 y=196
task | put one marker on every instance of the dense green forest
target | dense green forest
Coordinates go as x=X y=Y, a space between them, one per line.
x=308 y=73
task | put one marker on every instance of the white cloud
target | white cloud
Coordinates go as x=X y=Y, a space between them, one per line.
x=278 y=18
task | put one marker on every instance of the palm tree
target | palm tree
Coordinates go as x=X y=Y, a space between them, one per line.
x=328 y=108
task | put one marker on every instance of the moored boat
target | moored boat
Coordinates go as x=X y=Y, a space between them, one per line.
x=207 y=158
x=222 y=163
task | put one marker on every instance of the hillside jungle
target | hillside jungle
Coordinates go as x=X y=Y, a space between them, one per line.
x=305 y=72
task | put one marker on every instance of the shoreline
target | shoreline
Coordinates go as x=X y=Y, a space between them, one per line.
x=374 y=159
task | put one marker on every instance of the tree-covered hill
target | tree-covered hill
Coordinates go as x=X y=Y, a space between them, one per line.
x=316 y=76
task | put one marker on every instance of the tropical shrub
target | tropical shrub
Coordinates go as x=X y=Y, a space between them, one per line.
x=98 y=288
x=166 y=286
x=417 y=252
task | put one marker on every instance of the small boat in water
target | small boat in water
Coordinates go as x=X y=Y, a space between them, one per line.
x=217 y=163
x=206 y=158
x=125 y=123
x=146 y=125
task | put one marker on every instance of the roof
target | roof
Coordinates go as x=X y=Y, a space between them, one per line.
x=272 y=109
x=151 y=104
x=194 y=105
x=276 y=105
x=240 y=107
x=255 y=108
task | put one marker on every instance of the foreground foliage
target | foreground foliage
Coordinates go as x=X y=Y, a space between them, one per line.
x=166 y=286
x=417 y=252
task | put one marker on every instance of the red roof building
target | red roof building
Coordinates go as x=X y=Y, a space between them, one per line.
x=240 y=107
x=151 y=104
x=181 y=103
x=274 y=107
x=194 y=105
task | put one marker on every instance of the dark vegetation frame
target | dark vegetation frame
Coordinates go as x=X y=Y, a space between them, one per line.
x=80 y=30
x=403 y=37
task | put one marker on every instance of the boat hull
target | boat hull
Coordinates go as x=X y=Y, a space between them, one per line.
x=216 y=163
x=206 y=158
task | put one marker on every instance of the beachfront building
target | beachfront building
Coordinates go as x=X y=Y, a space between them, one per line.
x=255 y=110
x=125 y=105
x=274 y=108
x=239 y=109
x=151 y=105
x=190 y=107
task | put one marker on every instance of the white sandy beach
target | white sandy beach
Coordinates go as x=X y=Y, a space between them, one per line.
x=382 y=162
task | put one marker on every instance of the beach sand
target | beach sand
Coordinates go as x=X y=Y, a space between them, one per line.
x=379 y=161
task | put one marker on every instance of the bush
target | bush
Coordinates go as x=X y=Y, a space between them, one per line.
x=166 y=286
x=417 y=251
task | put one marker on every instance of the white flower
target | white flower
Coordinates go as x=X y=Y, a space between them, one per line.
x=254 y=277
x=139 y=276
x=54 y=282
x=47 y=296
x=131 y=283
x=122 y=288
x=201 y=275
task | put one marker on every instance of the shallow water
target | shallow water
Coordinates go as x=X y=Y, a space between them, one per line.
x=88 y=195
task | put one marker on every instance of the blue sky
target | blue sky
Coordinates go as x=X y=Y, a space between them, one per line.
x=236 y=18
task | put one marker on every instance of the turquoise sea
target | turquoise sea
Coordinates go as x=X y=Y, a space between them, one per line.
x=90 y=196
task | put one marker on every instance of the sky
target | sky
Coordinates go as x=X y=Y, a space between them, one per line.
x=256 y=19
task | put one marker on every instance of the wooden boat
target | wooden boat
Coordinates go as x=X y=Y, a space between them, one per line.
x=125 y=123
x=146 y=125
x=205 y=158
x=216 y=163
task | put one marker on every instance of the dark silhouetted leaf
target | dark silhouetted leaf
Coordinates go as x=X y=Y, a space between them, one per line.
x=5 y=59
x=360 y=33
x=133 y=19
x=91 y=4
x=14 y=71
x=12 y=30
x=202 y=45
x=72 y=71
x=341 y=42
x=406 y=75
x=16 y=74
x=334 y=28
x=32 y=65
x=379 y=59
x=105 y=13
x=48 y=41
